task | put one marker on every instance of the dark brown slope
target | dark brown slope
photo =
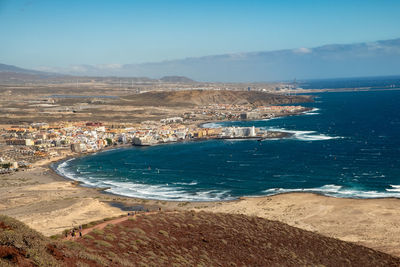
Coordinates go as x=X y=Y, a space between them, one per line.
x=22 y=246
x=205 y=97
x=197 y=239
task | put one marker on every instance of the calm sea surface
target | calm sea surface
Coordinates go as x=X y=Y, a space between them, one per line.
x=348 y=146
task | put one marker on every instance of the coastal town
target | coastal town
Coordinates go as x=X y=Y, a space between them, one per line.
x=24 y=146
x=199 y=133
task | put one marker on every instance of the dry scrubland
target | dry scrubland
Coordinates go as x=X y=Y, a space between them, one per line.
x=190 y=98
x=185 y=239
x=125 y=102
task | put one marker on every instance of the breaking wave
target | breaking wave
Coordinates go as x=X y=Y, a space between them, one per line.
x=179 y=191
x=338 y=191
x=312 y=112
x=174 y=192
x=306 y=135
x=394 y=188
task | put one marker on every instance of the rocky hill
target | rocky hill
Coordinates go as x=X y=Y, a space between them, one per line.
x=185 y=239
x=206 y=97
x=176 y=79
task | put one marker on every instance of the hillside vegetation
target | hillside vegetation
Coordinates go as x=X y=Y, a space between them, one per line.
x=206 y=97
x=185 y=239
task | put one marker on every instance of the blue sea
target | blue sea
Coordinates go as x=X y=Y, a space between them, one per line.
x=347 y=146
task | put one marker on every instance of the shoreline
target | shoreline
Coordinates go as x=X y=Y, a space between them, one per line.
x=237 y=198
x=50 y=203
x=285 y=135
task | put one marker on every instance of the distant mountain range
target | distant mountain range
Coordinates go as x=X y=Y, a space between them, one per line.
x=380 y=58
x=338 y=60
x=13 y=69
x=13 y=73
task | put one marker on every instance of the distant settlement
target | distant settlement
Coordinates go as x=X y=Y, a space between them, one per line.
x=23 y=146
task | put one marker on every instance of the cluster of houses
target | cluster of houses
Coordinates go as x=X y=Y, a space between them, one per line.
x=243 y=112
x=22 y=145
x=26 y=144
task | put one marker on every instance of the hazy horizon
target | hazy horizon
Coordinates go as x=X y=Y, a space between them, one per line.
x=232 y=41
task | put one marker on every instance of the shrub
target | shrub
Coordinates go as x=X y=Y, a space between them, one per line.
x=138 y=231
x=55 y=236
x=103 y=243
x=133 y=246
x=92 y=257
x=82 y=264
x=98 y=232
x=109 y=226
x=141 y=242
x=110 y=237
x=164 y=233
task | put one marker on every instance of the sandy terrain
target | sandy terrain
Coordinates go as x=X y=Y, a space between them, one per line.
x=109 y=102
x=374 y=223
x=50 y=204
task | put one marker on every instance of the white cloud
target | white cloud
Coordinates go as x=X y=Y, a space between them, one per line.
x=374 y=46
x=113 y=66
x=79 y=68
x=46 y=69
x=302 y=50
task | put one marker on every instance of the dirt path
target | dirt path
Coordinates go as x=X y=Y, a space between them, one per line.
x=101 y=226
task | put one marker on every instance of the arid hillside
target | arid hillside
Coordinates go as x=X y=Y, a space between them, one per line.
x=185 y=239
x=206 y=97
x=97 y=102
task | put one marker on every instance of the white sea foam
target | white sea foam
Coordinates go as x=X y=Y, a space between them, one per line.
x=182 y=183
x=274 y=118
x=336 y=191
x=179 y=193
x=62 y=169
x=395 y=188
x=159 y=192
x=312 y=112
x=211 y=125
x=164 y=192
x=306 y=135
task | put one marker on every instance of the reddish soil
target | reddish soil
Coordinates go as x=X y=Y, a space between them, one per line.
x=4 y=227
x=15 y=256
x=184 y=239
x=101 y=226
x=189 y=239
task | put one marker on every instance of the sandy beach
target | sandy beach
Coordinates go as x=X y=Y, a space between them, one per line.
x=49 y=203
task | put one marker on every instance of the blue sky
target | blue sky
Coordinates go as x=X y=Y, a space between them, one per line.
x=60 y=33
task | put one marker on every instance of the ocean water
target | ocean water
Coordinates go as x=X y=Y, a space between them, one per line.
x=347 y=146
